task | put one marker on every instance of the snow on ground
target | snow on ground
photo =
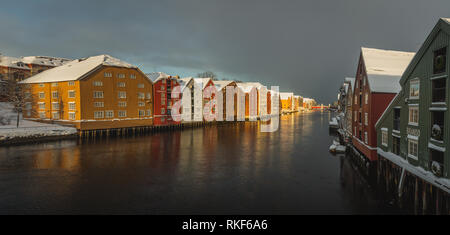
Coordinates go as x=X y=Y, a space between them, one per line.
x=28 y=128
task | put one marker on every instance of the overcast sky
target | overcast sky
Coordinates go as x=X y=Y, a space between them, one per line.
x=306 y=47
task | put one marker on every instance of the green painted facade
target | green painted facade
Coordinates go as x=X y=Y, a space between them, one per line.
x=420 y=69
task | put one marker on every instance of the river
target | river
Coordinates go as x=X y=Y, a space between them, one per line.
x=230 y=169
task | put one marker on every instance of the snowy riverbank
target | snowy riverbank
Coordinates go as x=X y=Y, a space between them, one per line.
x=28 y=131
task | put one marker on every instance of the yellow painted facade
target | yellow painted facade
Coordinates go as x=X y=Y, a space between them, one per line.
x=109 y=97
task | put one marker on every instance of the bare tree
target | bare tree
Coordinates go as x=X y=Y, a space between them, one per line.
x=207 y=74
x=18 y=98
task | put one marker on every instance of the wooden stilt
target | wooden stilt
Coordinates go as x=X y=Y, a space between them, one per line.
x=416 y=197
x=424 y=198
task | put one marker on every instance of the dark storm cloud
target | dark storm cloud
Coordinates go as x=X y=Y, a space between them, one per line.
x=303 y=46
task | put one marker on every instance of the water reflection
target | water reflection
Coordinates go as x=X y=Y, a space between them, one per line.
x=230 y=169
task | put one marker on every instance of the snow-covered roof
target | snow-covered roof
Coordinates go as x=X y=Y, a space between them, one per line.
x=286 y=95
x=184 y=82
x=203 y=81
x=12 y=62
x=45 y=60
x=76 y=69
x=446 y=19
x=156 y=76
x=384 y=68
x=221 y=84
x=248 y=86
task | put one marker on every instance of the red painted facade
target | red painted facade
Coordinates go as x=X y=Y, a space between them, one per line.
x=163 y=101
x=374 y=105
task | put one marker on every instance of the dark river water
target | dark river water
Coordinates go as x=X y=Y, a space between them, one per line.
x=231 y=169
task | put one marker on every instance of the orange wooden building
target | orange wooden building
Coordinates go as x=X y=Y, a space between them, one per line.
x=99 y=92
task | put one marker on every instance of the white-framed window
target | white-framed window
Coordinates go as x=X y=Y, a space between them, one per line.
x=98 y=94
x=122 y=113
x=133 y=76
x=99 y=104
x=109 y=114
x=384 y=137
x=414 y=89
x=141 y=104
x=141 y=113
x=99 y=114
x=141 y=85
x=108 y=74
x=71 y=115
x=163 y=110
x=71 y=94
x=122 y=94
x=97 y=83
x=41 y=95
x=364 y=81
x=163 y=87
x=120 y=84
x=71 y=83
x=356 y=99
x=163 y=82
x=122 y=104
x=41 y=105
x=42 y=85
x=366 y=138
x=414 y=115
x=149 y=112
x=55 y=115
x=42 y=115
x=141 y=95
x=354 y=129
x=413 y=148
x=121 y=75
x=149 y=96
x=55 y=105
x=366 y=119
x=55 y=95
x=27 y=95
x=72 y=106
x=54 y=84
x=28 y=106
x=356 y=116
x=366 y=98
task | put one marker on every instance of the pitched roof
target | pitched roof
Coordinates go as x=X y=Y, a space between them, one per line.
x=221 y=84
x=286 y=95
x=45 y=60
x=384 y=68
x=12 y=62
x=443 y=24
x=248 y=86
x=76 y=69
x=203 y=81
x=184 y=82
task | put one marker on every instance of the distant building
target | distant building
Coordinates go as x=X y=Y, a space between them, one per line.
x=99 y=92
x=287 y=101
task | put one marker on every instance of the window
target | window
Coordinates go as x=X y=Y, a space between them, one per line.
x=71 y=115
x=121 y=75
x=438 y=90
x=414 y=115
x=141 y=85
x=414 y=87
x=99 y=104
x=122 y=104
x=41 y=105
x=41 y=95
x=384 y=137
x=109 y=114
x=141 y=95
x=41 y=85
x=396 y=119
x=133 y=76
x=98 y=83
x=149 y=96
x=122 y=94
x=71 y=94
x=98 y=94
x=42 y=115
x=55 y=95
x=440 y=60
x=162 y=87
x=27 y=95
x=54 y=84
x=366 y=98
x=72 y=106
x=141 y=113
x=149 y=112
x=360 y=100
x=122 y=113
x=437 y=125
x=395 y=145
x=354 y=130
x=108 y=75
x=356 y=117
x=366 y=119
x=163 y=111
x=413 y=149
x=120 y=84
x=55 y=105
x=55 y=115
x=360 y=118
x=99 y=114
x=356 y=100
x=72 y=83
x=141 y=104
x=366 y=139
x=436 y=161
x=28 y=106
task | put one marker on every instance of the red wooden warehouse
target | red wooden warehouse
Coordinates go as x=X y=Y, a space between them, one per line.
x=163 y=85
x=377 y=83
